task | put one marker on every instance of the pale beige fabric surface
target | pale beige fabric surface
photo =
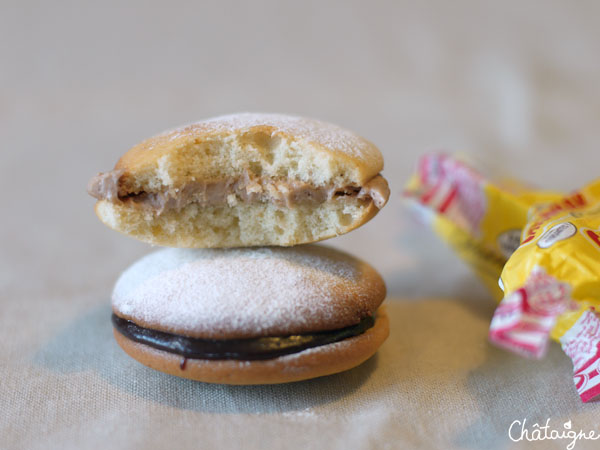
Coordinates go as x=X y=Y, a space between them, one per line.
x=514 y=84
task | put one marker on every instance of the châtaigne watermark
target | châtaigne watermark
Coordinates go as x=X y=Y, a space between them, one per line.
x=520 y=430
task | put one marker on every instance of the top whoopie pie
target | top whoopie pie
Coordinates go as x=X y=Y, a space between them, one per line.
x=243 y=180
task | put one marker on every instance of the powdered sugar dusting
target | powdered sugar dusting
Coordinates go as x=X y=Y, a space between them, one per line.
x=331 y=136
x=227 y=293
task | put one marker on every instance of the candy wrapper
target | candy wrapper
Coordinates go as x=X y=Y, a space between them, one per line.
x=481 y=219
x=538 y=252
x=552 y=286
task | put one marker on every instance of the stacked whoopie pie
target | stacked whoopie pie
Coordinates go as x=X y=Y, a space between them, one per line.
x=239 y=298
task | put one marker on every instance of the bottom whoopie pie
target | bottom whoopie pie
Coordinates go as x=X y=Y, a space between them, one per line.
x=250 y=315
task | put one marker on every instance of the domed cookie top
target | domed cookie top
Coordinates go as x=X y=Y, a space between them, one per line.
x=245 y=293
x=243 y=180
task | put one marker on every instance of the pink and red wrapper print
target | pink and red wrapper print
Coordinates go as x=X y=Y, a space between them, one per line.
x=582 y=344
x=524 y=319
x=452 y=189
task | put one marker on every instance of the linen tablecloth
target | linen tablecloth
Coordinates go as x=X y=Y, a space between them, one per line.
x=512 y=84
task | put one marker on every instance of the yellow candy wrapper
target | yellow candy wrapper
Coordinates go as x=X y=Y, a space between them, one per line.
x=552 y=287
x=544 y=246
x=482 y=220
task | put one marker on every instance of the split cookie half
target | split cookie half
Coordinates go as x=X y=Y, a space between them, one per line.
x=243 y=180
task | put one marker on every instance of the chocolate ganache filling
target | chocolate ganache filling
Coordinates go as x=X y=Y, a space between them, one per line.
x=240 y=349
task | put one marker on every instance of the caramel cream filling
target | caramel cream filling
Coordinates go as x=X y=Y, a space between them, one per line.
x=288 y=193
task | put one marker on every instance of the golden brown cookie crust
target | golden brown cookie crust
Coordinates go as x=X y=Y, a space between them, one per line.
x=311 y=363
x=246 y=292
x=339 y=143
